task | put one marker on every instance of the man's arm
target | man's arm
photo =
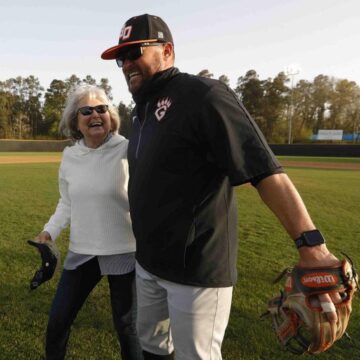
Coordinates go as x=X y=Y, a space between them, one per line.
x=280 y=195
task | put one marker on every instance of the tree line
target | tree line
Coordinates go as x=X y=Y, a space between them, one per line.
x=28 y=111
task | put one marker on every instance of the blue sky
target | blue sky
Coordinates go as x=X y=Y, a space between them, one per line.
x=54 y=39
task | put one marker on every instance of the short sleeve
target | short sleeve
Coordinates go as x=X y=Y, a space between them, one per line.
x=236 y=144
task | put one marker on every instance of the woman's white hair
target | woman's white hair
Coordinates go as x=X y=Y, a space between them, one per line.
x=69 y=120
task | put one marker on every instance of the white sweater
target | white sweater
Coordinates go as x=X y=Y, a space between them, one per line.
x=93 y=199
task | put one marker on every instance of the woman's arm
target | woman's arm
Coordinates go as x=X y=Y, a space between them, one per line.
x=61 y=217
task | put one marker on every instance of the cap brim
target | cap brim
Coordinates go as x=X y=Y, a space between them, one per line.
x=112 y=53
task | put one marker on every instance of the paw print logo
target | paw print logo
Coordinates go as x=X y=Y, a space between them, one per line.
x=162 y=106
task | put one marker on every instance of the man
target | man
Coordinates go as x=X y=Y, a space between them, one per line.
x=191 y=142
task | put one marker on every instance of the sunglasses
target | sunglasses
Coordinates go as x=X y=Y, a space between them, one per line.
x=88 y=110
x=133 y=53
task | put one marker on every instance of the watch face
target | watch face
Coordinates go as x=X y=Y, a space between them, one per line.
x=313 y=238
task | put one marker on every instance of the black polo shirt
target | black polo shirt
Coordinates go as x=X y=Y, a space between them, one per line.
x=191 y=142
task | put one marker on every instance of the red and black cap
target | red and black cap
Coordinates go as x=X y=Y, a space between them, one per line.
x=140 y=29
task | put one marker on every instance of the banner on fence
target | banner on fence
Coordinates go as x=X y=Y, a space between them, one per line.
x=330 y=135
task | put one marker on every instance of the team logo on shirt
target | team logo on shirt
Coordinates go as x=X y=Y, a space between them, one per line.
x=162 y=106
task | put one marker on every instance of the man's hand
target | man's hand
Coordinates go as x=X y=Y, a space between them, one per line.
x=314 y=307
x=320 y=256
x=280 y=195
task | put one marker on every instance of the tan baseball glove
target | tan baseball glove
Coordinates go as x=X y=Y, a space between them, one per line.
x=299 y=320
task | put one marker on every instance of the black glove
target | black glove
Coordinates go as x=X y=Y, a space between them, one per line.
x=50 y=258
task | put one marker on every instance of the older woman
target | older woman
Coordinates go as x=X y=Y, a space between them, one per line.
x=93 y=179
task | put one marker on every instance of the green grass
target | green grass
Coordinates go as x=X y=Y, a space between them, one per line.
x=28 y=195
x=320 y=159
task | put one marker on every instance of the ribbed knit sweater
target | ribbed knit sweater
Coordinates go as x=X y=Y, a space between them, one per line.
x=93 y=199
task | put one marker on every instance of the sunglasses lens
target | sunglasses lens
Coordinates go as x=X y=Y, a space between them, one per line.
x=119 y=62
x=88 y=110
x=101 y=109
x=134 y=53
x=131 y=54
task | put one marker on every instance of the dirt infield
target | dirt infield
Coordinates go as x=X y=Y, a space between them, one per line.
x=27 y=159
x=33 y=159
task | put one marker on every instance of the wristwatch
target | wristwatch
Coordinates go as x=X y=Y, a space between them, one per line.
x=310 y=238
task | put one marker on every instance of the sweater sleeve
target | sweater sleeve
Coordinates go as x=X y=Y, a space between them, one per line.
x=61 y=217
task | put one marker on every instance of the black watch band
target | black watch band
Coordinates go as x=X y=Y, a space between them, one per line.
x=310 y=238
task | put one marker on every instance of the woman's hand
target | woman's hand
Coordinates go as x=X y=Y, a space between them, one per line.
x=43 y=237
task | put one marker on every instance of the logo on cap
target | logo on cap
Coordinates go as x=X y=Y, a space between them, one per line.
x=125 y=32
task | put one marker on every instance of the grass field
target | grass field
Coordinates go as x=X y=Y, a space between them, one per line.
x=321 y=159
x=28 y=195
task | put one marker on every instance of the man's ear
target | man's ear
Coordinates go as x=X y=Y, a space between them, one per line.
x=168 y=50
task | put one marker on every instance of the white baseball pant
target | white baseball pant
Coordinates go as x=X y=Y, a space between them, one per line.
x=190 y=319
